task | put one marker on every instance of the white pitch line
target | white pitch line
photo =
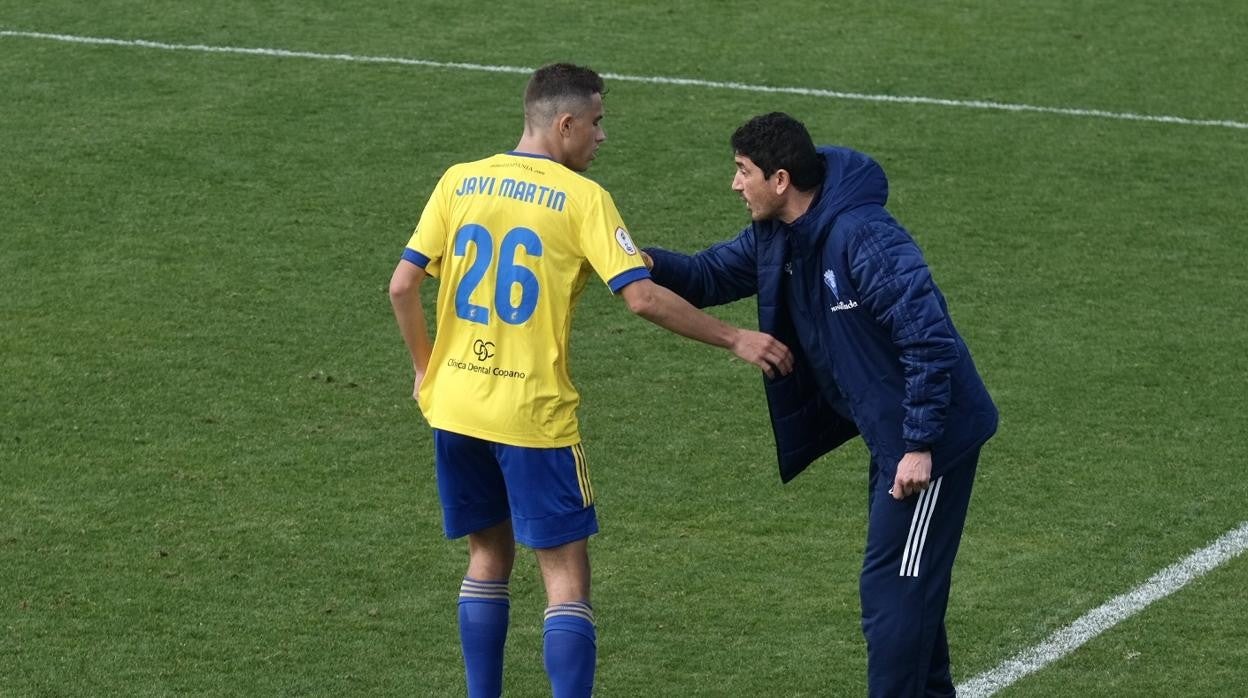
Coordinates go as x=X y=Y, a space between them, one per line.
x=1109 y=614
x=655 y=80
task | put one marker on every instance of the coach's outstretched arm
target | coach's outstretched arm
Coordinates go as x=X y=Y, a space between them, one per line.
x=722 y=273
x=671 y=312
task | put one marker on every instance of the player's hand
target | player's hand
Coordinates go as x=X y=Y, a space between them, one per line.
x=764 y=351
x=420 y=376
x=647 y=259
x=914 y=474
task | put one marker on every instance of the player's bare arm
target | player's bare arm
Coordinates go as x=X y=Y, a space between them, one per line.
x=671 y=312
x=405 y=300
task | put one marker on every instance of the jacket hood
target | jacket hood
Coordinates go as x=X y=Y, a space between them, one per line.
x=852 y=179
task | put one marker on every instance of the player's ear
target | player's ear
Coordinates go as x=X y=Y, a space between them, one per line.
x=563 y=123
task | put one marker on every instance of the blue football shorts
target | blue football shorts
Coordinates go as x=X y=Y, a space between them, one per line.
x=545 y=491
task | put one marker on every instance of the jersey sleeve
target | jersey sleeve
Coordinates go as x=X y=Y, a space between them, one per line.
x=608 y=246
x=428 y=241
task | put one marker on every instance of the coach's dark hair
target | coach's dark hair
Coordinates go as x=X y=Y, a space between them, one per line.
x=777 y=141
x=558 y=87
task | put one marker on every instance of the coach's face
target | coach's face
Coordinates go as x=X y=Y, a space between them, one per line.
x=759 y=193
x=582 y=134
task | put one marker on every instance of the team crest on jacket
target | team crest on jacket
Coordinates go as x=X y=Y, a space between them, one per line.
x=829 y=278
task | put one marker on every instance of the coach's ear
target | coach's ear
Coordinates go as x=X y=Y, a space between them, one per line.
x=781 y=181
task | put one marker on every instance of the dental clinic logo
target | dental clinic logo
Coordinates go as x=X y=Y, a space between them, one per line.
x=829 y=278
x=483 y=350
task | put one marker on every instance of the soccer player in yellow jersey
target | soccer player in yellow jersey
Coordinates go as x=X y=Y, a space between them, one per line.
x=513 y=239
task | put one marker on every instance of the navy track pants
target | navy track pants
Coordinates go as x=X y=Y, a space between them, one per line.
x=904 y=584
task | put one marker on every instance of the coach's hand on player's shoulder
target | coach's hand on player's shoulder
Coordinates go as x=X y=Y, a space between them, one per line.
x=764 y=351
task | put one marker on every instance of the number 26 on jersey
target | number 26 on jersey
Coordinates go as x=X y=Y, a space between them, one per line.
x=506 y=274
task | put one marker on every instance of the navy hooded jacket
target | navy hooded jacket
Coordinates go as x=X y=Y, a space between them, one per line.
x=845 y=287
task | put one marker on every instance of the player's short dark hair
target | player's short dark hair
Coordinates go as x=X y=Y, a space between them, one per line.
x=560 y=87
x=777 y=141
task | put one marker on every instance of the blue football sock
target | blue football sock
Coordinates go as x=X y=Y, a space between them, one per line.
x=484 y=610
x=570 y=649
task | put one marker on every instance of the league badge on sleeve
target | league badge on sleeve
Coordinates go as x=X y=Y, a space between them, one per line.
x=626 y=242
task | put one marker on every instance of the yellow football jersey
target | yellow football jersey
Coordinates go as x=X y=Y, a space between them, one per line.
x=512 y=239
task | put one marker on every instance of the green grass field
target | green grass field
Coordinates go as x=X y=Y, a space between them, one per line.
x=213 y=480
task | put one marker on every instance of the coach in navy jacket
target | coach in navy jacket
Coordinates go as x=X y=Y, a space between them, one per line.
x=843 y=284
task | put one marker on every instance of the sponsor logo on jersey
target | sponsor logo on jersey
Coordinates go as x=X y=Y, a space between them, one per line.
x=485 y=371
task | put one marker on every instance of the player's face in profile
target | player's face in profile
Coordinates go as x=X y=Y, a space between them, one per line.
x=584 y=136
x=759 y=194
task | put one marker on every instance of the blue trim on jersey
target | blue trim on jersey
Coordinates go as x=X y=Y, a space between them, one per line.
x=415 y=257
x=625 y=278
x=517 y=153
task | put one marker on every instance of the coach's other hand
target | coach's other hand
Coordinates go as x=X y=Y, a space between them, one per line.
x=914 y=474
